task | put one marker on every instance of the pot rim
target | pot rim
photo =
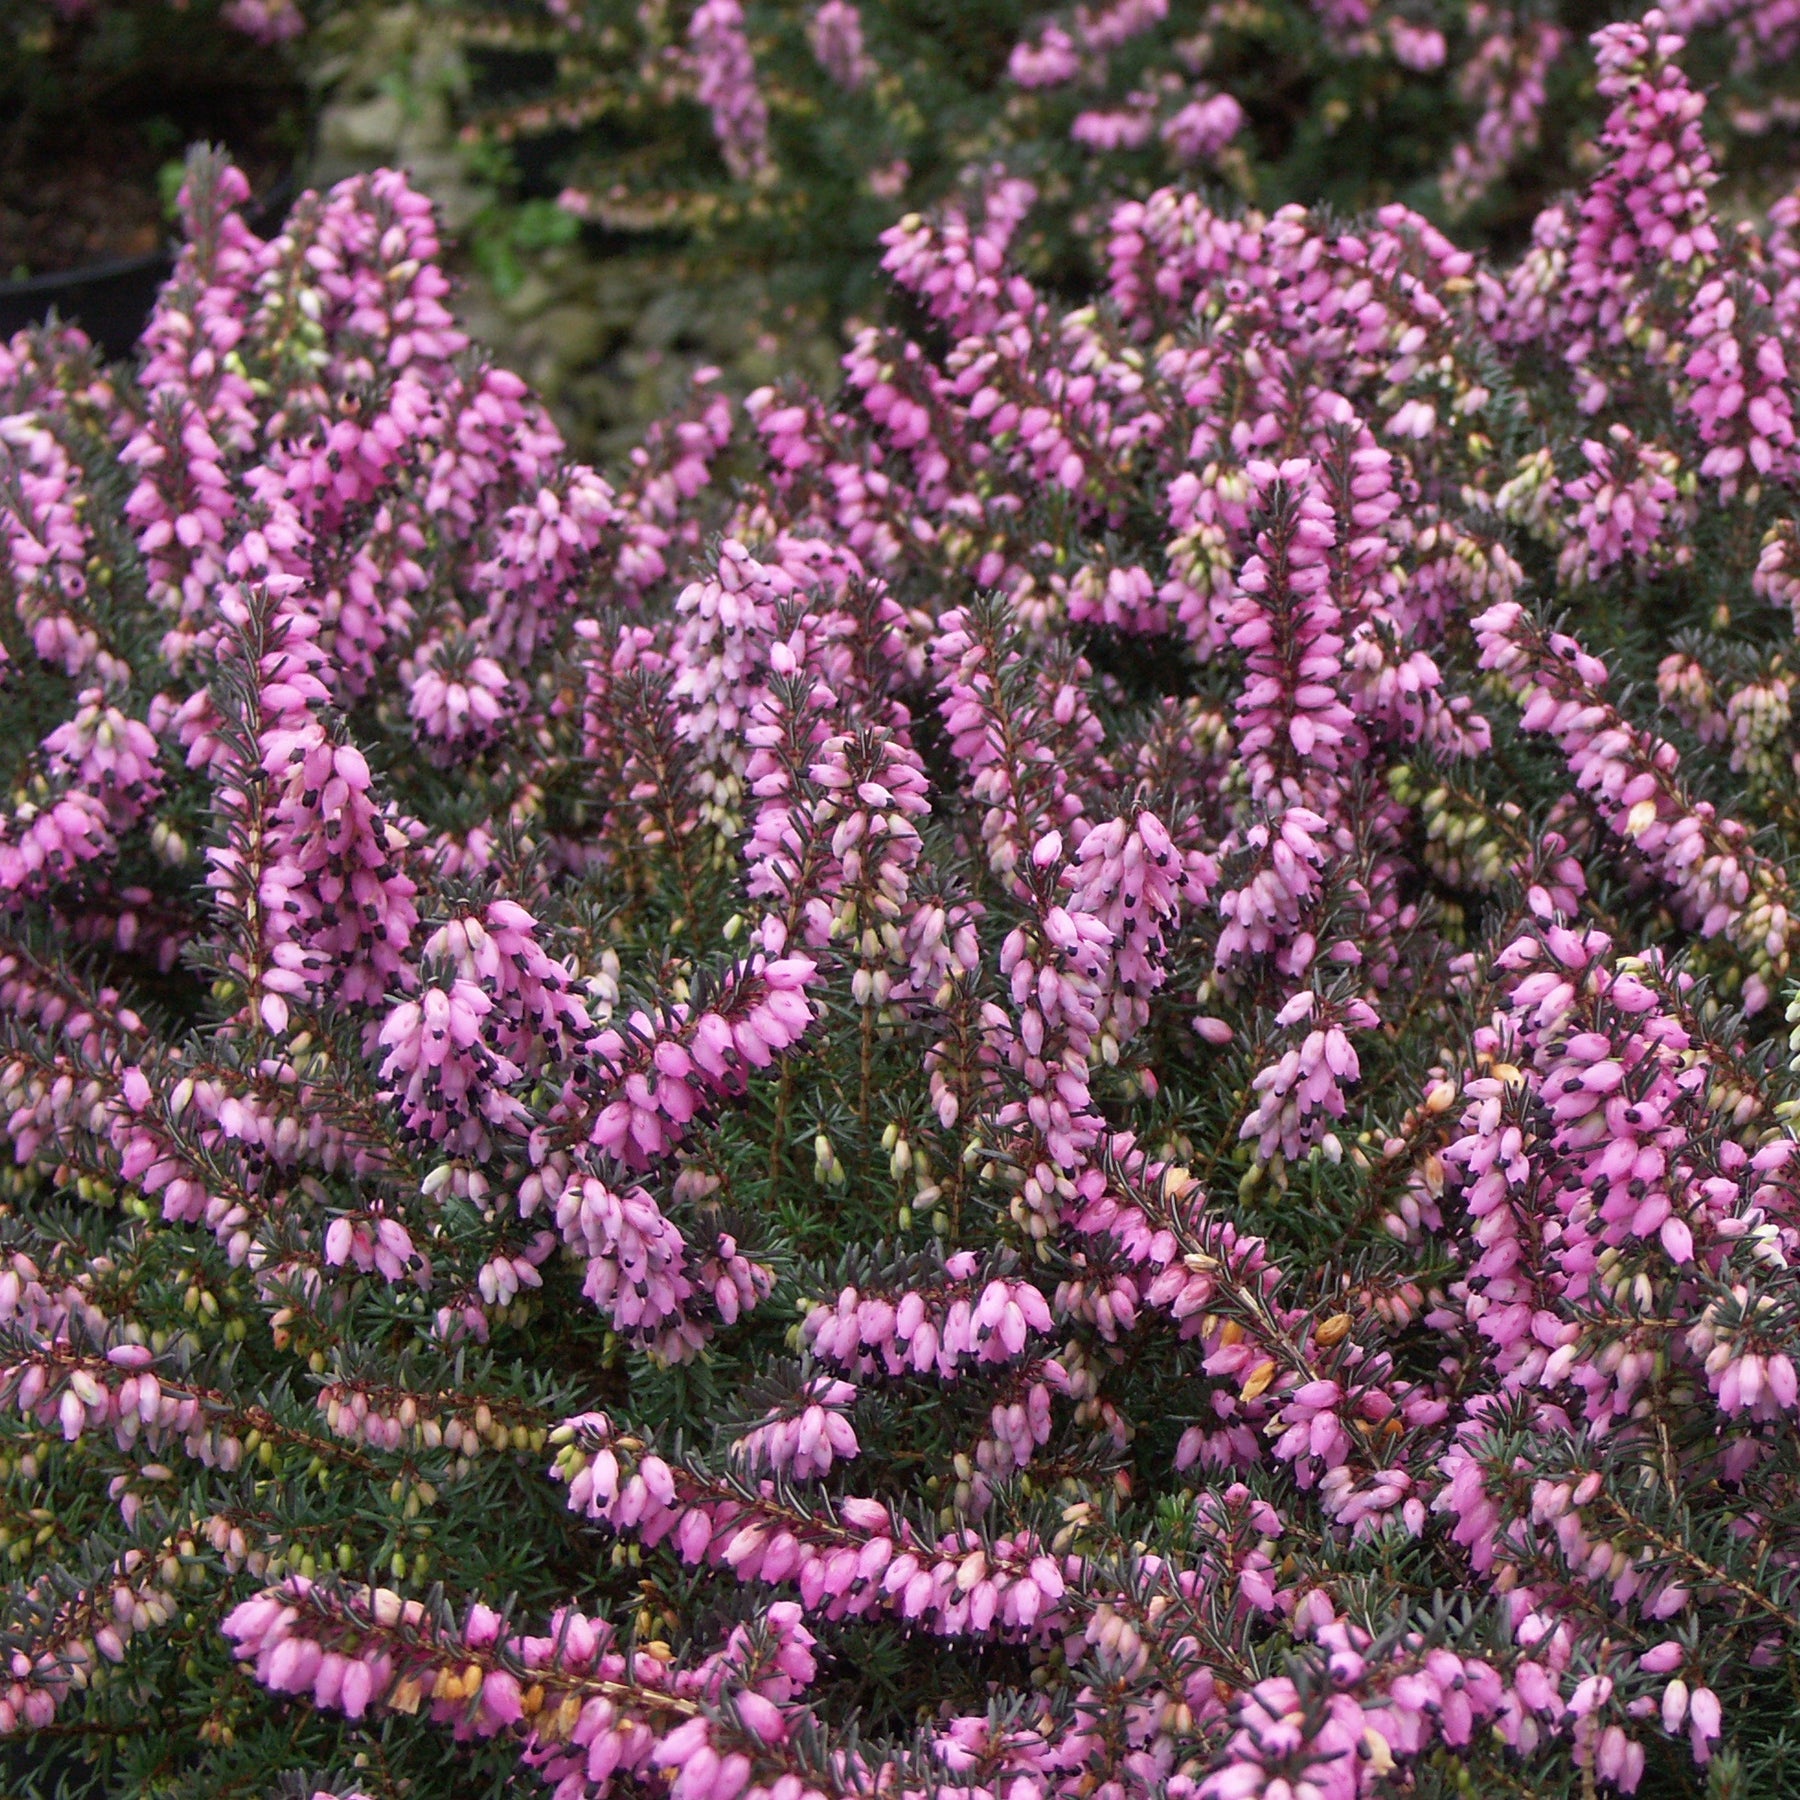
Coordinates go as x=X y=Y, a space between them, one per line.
x=83 y=275
x=261 y=209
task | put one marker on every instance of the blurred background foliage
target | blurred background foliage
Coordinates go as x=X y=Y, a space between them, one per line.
x=610 y=242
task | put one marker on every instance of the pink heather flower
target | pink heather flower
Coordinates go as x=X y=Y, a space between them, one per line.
x=458 y=697
x=647 y=1100
x=1724 y=885
x=1123 y=128
x=1309 y=1077
x=1203 y=127
x=726 y=85
x=266 y=21
x=1048 y=62
x=1739 y=397
x=930 y=1328
x=804 y=1442
x=449 y=1085
x=1294 y=732
x=1652 y=203
x=1505 y=77
x=47 y=547
x=1133 y=879
x=1115 y=25
x=1623 y=501
x=835 y=32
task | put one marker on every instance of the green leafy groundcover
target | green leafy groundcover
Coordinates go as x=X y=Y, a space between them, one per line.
x=1065 y=1076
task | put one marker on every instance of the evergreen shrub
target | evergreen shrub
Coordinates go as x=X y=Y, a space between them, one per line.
x=1062 y=1077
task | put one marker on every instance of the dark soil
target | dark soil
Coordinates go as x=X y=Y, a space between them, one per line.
x=77 y=191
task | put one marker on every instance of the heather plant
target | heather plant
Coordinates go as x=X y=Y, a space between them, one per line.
x=1063 y=1076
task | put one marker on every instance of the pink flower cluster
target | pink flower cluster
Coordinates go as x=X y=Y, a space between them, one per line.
x=725 y=84
x=933 y=1327
x=806 y=1440
x=585 y=1706
x=1723 y=883
x=835 y=32
x=656 y=1075
x=862 y=1560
